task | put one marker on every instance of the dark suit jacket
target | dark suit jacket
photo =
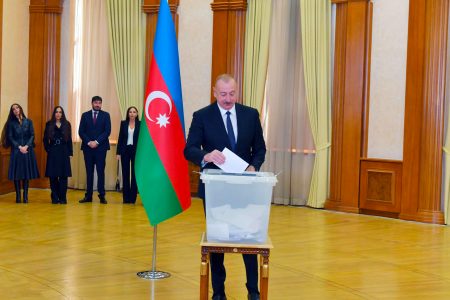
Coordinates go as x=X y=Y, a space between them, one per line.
x=123 y=136
x=99 y=132
x=207 y=133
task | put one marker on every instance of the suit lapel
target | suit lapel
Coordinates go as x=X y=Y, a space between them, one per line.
x=99 y=116
x=136 y=131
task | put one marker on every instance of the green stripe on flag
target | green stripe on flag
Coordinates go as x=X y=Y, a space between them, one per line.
x=155 y=188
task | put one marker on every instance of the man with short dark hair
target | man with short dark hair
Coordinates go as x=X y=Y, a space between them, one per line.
x=221 y=124
x=95 y=128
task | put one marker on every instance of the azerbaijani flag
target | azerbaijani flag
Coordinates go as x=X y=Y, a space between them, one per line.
x=161 y=169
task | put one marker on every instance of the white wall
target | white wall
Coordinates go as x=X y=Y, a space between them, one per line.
x=387 y=78
x=14 y=86
x=194 y=45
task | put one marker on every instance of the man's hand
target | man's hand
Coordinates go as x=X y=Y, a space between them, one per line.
x=118 y=156
x=215 y=157
x=93 y=144
x=250 y=168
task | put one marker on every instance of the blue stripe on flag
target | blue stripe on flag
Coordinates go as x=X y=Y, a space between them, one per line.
x=165 y=50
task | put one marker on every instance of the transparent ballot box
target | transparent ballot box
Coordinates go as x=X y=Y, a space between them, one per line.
x=237 y=205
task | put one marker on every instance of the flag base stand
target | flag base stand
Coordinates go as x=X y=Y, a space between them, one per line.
x=153 y=275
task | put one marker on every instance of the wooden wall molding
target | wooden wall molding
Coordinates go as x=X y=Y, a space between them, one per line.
x=424 y=111
x=47 y=8
x=43 y=71
x=154 y=8
x=6 y=185
x=421 y=170
x=228 y=40
x=366 y=95
x=230 y=5
x=349 y=97
x=381 y=186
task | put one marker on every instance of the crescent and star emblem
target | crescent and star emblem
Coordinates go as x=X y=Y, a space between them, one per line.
x=162 y=120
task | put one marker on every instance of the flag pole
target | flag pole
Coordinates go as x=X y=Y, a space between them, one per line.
x=153 y=274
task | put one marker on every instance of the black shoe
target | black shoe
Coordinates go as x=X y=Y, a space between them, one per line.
x=85 y=200
x=253 y=296
x=219 y=297
x=102 y=200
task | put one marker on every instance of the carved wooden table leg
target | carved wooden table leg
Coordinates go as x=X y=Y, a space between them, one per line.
x=264 y=271
x=204 y=275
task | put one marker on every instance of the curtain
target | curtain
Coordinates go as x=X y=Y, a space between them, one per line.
x=127 y=41
x=315 y=30
x=256 y=53
x=285 y=119
x=92 y=75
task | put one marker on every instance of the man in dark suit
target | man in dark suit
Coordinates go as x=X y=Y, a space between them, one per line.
x=94 y=130
x=221 y=124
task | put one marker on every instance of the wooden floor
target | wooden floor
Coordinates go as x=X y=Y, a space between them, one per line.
x=93 y=251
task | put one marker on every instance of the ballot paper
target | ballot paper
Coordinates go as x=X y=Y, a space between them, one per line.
x=225 y=222
x=233 y=163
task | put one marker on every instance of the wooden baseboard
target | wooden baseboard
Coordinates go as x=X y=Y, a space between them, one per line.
x=6 y=185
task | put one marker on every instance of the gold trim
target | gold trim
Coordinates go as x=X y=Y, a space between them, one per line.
x=46 y=9
x=154 y=8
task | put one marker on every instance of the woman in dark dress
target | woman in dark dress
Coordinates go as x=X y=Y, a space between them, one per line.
x=18 y=134
x=126 y=152
x=58 y=144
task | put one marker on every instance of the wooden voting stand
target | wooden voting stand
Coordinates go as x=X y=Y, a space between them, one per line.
x=214 y=247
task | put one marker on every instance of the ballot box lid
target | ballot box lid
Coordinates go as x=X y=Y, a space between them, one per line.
x=209 y=175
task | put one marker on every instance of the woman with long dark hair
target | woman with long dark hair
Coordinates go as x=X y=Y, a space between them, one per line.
x=58 y=144
x=18 y=133
x=126 y=152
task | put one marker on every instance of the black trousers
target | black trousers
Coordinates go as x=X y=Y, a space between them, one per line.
x=218 y=272
x=95 y=158
x=129 y=186
x=58 y=186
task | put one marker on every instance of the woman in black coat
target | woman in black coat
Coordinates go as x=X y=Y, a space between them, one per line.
x=18 y=133
x=58 y=144
x=126 y=152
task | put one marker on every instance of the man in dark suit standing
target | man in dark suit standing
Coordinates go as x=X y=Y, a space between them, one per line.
x=221 y=124
x=94 y=130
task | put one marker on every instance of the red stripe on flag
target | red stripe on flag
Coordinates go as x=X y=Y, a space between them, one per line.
x=168 y=135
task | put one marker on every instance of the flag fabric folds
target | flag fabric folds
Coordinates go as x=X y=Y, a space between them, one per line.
x=161 y=169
